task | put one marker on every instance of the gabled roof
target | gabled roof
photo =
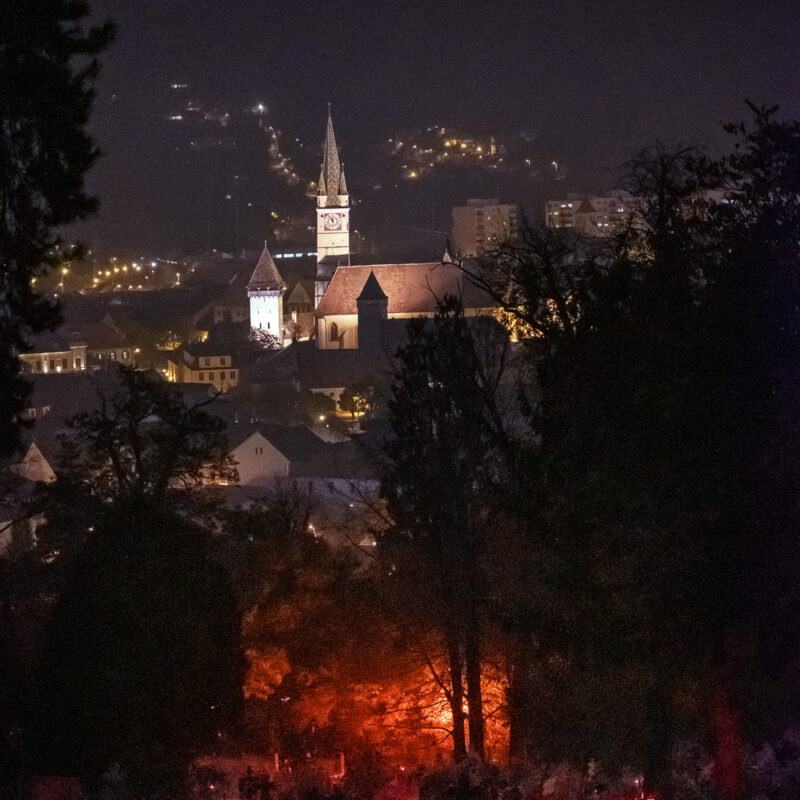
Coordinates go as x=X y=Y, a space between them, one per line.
x=56 y=341
x=297 y=443
x=372 y=289
x=302 y=291
x=340 y=460
x=210 y=348
x=235 y=293
x=265 y=275
x=586 y=208
x=411 y=288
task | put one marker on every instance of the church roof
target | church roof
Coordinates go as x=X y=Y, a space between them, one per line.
x=265 y=275
x=372 y=289
x=331 y=179
x=411 y=288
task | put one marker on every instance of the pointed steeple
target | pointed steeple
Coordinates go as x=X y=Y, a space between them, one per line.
x=372 y=290
x=331 y=169
x=342 y=183
x=265 y=276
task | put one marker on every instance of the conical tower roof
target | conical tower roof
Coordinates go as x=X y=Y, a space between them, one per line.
x=372 y=290
x=265 y=275
x=321 y=191
x=331 y=177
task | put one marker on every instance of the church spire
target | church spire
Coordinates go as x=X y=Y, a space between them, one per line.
x=331 y=176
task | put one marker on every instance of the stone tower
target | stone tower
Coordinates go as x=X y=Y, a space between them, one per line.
x=265 y=291
x=333 y=216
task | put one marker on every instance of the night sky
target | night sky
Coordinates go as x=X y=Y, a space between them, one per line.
x=594 y=80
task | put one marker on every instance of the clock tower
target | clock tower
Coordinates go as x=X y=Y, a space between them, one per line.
x=333 y=216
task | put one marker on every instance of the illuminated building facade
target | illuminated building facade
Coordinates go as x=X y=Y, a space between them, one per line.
x=53 y=353
x=481 y=225
x=590 y=216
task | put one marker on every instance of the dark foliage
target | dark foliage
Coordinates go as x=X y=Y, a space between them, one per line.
x=47 y=67
x=143 y=665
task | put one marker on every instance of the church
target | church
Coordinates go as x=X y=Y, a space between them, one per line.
x=363 y=307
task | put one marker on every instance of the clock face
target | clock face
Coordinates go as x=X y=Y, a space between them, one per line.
x=332 y=222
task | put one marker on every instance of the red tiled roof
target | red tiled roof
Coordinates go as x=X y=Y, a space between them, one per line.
x=411 y=288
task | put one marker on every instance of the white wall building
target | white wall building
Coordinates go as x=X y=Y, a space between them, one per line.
x=590 y=216
x=481 y=225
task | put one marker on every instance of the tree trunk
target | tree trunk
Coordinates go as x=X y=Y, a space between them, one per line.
x=472 y=653
x=456 y=696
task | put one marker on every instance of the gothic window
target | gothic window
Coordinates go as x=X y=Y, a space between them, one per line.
x=334 y=331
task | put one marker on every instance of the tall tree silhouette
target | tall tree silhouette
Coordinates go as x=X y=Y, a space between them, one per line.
x=48 y=63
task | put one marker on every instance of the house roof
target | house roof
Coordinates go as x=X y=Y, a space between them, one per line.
x=411 y=288
x=104 y=333
x=586 y=208
x=235 y=293
x=51 y=342
x=209 y=348
x=265 y=275
x=301 y=291
x=344 y=460
x=297 y=443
